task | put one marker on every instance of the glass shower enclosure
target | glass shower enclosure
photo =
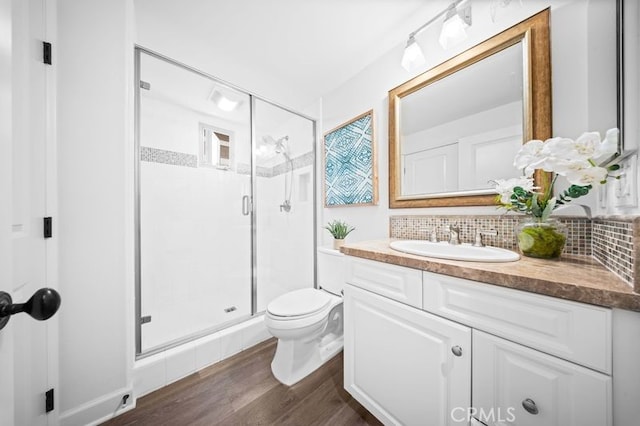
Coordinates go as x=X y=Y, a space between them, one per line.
x=225 y=212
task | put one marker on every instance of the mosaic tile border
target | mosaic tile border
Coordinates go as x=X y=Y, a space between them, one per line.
x=418 y=228
x=298 y=163
x=613 y=241
x=154 y=155
x=173 y=158
x=616 y=245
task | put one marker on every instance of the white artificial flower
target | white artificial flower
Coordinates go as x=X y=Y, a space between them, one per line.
x=565 y=167
x=587 y=176
x=609 y=145
x=558 y=148
x=504 y=187
x=586 y=145
x=530 y=156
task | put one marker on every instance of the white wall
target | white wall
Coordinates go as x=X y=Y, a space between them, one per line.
x=95 y=162
x=572 y=94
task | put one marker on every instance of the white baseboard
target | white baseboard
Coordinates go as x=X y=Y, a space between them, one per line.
x=101 y=409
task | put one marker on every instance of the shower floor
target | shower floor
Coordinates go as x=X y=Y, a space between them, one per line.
x=242 y=391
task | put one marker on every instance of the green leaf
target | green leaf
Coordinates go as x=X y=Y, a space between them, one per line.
x=535 y=207
x=551 y=204
x=339 y=229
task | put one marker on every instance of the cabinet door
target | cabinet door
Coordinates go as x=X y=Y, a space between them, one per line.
x=513 y=384
x=399 y=361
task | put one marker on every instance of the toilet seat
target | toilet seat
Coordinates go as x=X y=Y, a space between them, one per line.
x=299 y=303
x=319 y=302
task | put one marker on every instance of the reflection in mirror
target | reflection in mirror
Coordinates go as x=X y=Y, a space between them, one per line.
x=457 y=126
x=461 y=146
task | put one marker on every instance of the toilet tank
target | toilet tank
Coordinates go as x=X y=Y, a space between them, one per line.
x=331 y=270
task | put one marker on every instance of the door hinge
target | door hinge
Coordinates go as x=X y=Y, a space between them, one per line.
x=48 y=227
x=144 y=85
x=48 y=401
x=46 y=52
x=145 y=319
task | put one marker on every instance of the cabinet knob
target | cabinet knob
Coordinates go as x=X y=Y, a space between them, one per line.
x=530 y=405
x=457 y=350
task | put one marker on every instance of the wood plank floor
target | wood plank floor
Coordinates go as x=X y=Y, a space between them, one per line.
x=242 y=391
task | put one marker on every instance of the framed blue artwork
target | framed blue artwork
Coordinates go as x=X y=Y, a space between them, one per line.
x=350 y=169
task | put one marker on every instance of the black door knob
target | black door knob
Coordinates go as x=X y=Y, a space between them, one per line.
x=41 y=306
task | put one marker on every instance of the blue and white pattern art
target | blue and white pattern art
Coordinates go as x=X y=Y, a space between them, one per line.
x=349 y=163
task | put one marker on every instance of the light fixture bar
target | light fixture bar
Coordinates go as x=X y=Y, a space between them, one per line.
x=413 y=56
x=435 y=18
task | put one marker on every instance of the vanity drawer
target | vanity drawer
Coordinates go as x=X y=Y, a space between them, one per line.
x=392 y=281
x=574 y=331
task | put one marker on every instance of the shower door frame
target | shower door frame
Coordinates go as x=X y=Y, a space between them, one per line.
x=138 y=51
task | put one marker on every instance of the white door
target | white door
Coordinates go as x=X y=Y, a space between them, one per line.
x=430 y=171
x=406 y=366
x=28 y=170
x=479 y=156
x=516 y=385
x=6 y=335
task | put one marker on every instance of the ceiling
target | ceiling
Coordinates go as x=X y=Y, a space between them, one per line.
x=291 y=51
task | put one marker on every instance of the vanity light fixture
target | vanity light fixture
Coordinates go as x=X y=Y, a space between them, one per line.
x=456 y=22
x=453 y=31
x=413 y=56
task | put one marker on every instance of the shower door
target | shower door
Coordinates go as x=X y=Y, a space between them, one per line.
x=284 y=192
x=194 y=221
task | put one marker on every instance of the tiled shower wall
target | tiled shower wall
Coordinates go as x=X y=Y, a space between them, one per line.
x=613 y=241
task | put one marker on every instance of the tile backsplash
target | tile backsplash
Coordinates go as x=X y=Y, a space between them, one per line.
x=616 y=244
x=611 y=240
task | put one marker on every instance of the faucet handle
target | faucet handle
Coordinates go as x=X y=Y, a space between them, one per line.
x=479 y=233
x=453 y=227
x=454 y=233
x=433 y=236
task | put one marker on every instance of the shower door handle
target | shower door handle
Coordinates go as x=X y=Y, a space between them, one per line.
x=245 y=205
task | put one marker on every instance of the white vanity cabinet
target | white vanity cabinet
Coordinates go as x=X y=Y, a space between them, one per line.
x=537 y=360
x=505 y=356
x=406 y=366
x=513 y=384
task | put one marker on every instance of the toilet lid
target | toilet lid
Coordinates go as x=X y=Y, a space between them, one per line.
x=299 y=302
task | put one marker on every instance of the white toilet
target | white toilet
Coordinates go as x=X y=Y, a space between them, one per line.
x=308 y=322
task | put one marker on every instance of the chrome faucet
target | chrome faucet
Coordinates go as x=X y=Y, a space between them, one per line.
x=286 y=206
x=479 y=233
x=454 y=235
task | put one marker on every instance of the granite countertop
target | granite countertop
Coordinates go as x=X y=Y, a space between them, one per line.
x=578 y=278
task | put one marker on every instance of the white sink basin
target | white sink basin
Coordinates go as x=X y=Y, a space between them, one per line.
x=444 y=250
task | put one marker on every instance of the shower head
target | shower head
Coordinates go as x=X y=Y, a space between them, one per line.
x=278 y=144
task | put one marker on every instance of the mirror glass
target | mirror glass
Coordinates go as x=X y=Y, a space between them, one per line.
x=471 y=136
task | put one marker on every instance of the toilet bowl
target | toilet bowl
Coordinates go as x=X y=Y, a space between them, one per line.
x=308 y=322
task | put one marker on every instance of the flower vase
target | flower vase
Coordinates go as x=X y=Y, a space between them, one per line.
x=543 y=239
x=337 y=243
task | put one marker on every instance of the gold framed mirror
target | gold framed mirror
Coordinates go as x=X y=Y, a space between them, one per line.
x=497 y=95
